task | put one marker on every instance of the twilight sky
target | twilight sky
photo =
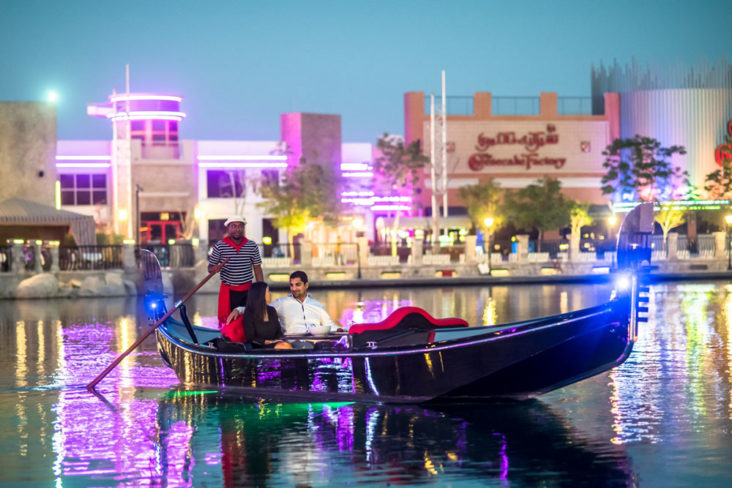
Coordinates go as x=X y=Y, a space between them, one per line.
x=239 y=64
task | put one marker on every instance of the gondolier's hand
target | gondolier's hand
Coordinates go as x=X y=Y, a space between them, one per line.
x=217 y=267
x=233 y=315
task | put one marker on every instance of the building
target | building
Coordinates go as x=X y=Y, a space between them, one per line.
x=677 y=105
x=516 y=140
x=150 y=185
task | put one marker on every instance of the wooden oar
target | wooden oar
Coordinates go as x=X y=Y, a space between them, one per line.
x=157 y=324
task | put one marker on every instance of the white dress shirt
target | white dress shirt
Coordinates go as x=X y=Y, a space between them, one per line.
x=295 y=316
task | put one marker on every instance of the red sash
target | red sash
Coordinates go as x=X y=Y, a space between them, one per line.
x=234 y=330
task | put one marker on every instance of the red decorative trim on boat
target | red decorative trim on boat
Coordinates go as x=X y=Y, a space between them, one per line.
x=397 y=320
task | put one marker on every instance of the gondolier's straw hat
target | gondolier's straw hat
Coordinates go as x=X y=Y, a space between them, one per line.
x=235 y=218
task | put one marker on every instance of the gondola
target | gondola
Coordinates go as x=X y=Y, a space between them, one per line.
x=412 y=358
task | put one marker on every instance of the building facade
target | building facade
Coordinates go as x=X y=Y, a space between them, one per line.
x=149 y=185
x=515 y=141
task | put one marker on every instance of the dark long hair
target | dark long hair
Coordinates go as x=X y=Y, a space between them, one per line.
x=256 y=300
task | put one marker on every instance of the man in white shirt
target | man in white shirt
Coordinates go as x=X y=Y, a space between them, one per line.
x=298 y=310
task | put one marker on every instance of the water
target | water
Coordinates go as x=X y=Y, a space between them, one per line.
x=664 y=418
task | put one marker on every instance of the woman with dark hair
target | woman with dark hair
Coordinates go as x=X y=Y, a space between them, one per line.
x=261 y=325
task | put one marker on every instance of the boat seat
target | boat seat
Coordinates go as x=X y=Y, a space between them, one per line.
x=406 y=325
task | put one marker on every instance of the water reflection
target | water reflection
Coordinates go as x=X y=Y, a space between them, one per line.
x=670 y=402
x=314 y=444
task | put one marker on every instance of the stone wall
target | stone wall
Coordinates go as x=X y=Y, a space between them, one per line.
x=28 y=151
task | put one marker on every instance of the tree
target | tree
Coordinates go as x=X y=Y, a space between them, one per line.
x=541 y=206
x=398 y=167
x=308 y=190
x=579 y=216
x=669 y=217
x=640 y=169
x=482 y=200
x=718 y=183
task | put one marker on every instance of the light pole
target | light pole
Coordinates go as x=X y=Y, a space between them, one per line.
x=611 y=221
x=728 y=220
x=138 y=189
x=488 y=221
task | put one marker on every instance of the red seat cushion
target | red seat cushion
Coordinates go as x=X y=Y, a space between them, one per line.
x=408 y=317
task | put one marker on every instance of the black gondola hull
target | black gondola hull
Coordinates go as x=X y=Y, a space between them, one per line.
x=526 y=360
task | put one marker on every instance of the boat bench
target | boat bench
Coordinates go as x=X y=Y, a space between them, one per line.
x=406 y=325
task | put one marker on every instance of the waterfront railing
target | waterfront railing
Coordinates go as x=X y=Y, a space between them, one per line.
x=331 y=257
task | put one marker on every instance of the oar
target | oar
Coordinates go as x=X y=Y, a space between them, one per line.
x=157 y=324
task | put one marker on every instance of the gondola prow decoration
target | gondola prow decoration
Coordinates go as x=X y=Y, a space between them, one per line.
x=157 y=324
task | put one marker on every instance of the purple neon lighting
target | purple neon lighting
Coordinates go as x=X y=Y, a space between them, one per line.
x=84 y=158
x=358 y=174
x=368 y=199
x=355 y=167
x=262 y=164
x=240 y=157
x=124 y=98
x=391 y=207
x=83 y=165
x=147 y=115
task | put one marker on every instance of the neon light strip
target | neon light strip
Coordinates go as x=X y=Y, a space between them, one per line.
x=390 y=207
x=356 y=166
x=83 y=165
x=392 y=199
x=261 y=164
x=147 y=115
x=358 y=201
x=359 y=174
x=238 y=157
x=357 y=194
x=124 y=98
x=83 y=158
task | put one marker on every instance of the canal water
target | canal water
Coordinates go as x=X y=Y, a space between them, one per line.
x=664 y=418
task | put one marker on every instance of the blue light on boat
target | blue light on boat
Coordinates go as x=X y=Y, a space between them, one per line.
x=622 y=282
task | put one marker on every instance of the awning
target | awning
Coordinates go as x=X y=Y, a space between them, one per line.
x=15 y=211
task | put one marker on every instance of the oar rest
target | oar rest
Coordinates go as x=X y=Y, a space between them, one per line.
x=406 y=325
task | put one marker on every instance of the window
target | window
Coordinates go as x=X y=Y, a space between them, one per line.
x=137 y=130
x=270 y=177
x=83 y=189
x=225 y=184
x=173 y=131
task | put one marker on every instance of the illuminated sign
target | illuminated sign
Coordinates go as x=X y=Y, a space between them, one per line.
x=723 y=153
x=531 y=142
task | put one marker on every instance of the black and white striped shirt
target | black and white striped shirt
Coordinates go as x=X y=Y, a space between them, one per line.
x=238 y=270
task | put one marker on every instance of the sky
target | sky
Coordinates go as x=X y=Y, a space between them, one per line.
x=240 y=64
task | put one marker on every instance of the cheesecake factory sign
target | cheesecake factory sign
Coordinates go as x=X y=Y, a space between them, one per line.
x=527 y=150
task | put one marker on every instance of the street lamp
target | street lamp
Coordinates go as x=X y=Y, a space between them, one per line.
x=728 y=220
x=488 y=221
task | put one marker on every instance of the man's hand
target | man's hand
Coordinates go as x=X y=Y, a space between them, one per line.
x=233 y=316
x=215 y=268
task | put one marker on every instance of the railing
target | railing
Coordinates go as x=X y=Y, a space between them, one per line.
x=456 y=105
x=335 y=254
x=515 y=106
x=280 y=255
x=402 y=253
x=179 y=255
x=435 y=254
x=89 y=257
x=574 y=105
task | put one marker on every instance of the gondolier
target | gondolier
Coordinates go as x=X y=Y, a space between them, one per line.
x=244 y=266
